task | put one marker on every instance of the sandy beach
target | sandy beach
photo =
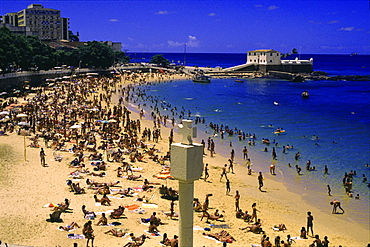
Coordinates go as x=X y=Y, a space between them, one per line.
x=26 y=187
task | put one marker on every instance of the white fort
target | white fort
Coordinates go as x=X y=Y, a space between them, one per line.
x=186 y=166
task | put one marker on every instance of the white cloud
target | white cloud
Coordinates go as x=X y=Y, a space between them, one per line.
x=212 y=14
x=332 y=22
x=272 y=7
x=162 y=12
x=174 y=44
x=113 y=20
x=131 y=39
x=347 y=29
x=258 y=6
x=192 y=42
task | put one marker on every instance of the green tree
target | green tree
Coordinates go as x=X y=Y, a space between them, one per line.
x=73 y=37
x=8 y=50
x=96 y=54
x=160 y=60
x=120 y=57
x=43 y=56
x=294 y=51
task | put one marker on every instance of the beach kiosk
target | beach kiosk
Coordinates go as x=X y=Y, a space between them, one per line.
x=186 y=166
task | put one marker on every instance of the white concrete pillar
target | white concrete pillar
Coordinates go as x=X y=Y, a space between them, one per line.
x=186 y=166
x=186 y=196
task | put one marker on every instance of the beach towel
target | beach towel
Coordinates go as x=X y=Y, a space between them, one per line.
x=106 y=212
x=76 y=236
x=97 y=204
x=137 y=189
x=50 y=205
x=220 y=226
x=70 y=230
x=132 y=207
x=195 y=228
x=298 y=238
x=219 y=242
x=149 y=205
x=153 y=234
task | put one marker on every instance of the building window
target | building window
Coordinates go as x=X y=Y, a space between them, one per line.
x=270 y=61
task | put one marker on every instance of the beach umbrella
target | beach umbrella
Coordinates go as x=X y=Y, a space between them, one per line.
x=76 y=126
x=112 y=121
x=23 y=124
x=4 y=113
x=22 y=115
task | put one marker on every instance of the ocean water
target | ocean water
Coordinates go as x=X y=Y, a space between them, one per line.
x=337 y=112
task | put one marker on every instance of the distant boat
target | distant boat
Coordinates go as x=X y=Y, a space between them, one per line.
x=239 y=81
x=201 y=79
x=305 y=94
x=353 y=54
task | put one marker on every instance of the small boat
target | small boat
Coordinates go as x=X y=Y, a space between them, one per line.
x=276 y=103
x=305 y=94
x=239 y=80
x=201 y=79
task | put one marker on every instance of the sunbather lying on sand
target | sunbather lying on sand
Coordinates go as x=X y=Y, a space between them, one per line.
x=69 y=227
x=116 y=232
x=125 y=192
x=136 y=241
x=215 y=216
x=281 y=227
x=222 y=236
x=255 y=228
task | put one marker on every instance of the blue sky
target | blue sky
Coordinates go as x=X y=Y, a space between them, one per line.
x=235 y=26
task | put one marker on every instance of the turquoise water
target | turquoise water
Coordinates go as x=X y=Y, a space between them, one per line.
x=338 y=113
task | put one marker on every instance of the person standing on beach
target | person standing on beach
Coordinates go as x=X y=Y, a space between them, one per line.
x=232 y=154
x=223 y=172
x=309 y=222
x=245 y=153
x=42 y=156
x=260 y=181
x=237 y=198
x=212 y=148
x=206 y=174
x=326 y=170
x=227 y=186
x=254 y=212
x=272 y=169
x=274 y=154
x=231 y=166
x=329 y=189
x=87 y=231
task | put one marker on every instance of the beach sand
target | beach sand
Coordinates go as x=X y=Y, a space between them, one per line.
x=26 y=186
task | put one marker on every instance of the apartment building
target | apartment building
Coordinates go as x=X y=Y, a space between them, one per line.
x=45 y=22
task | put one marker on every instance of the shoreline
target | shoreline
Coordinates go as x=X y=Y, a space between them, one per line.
x=282 y=209
x=294 y=193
